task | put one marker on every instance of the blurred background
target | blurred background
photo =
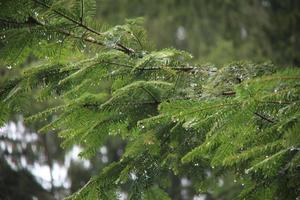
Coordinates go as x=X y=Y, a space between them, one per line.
x=214 y=31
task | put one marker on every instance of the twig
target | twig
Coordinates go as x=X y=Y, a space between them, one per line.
x=82 y=7
x=228 y=93
x=264 y=117
x=149 y=92
x=184 y=69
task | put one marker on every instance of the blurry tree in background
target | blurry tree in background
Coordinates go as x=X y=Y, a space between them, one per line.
x=217 y=31
x=213 y=31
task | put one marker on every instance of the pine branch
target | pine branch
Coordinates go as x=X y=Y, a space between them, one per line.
x=184 y=69
x=68 y=18
x=118 y=64
x=264 y=117
x=278 y=102
x=138 y=40
x=87 y=39
x=31 y=21
x=150 y=93
x=228 y=93
x=82 y=7
x=96 y=106
x=121 y=47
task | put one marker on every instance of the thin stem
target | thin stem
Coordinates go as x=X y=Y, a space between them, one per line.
x=264 y=117
x=184 y=69
x=228 y=93
x=150 y=93
x=119 y=64
x=82 y=7
x=138 y=40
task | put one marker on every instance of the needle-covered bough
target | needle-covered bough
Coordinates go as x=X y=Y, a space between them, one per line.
x=176 y=117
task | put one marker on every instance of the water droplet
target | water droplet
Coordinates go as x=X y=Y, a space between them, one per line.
x=8 y=66
x=193 y=84
x=133 y=176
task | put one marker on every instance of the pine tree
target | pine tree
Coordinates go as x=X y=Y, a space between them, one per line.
x=176 y=117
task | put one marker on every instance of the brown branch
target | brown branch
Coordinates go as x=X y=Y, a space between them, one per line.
x=264 y=117
x=184 y=69
x=95 y=105
x=277 y=102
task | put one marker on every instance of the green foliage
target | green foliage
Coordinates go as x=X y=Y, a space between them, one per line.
x=175 y=117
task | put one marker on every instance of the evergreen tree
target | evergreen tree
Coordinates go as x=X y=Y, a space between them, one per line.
x=178 y=119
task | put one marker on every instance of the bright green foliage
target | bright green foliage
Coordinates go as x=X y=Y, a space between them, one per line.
x=175 y=117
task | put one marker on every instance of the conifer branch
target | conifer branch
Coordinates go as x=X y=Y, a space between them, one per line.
x=68 y=17
x=95 y=105
x=184 y=69
x=121 y=47
x=15 y=24
x=138 y=40
x=228 y=93
x=277 y=102
x=118 y=64
x=150 y=93
x=264 y=117
x=82 y=7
